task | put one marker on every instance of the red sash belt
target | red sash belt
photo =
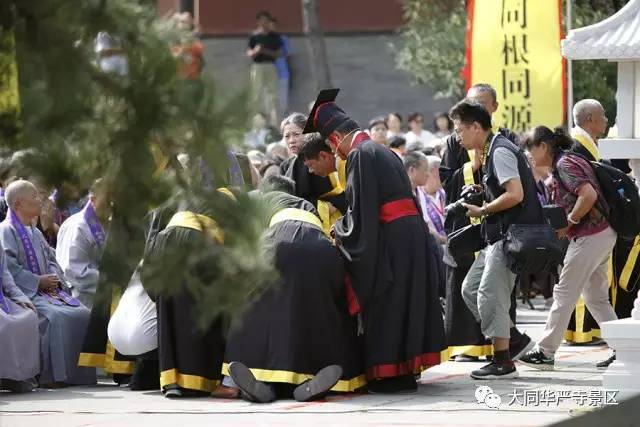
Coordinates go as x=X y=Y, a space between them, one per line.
x=352 y=299
x=397 y=209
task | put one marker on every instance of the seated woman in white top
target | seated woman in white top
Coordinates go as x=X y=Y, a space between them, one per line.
x=378 y=130
x=394 y=125
x=417 y=133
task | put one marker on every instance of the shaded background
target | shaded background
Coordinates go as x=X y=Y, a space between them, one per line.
x=359 y=38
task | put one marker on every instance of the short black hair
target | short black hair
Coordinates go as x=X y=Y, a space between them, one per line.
x=278 y=183
x=396 y=114
x=397 y=141
x=429 y=151
x=469 y=112
x=378 y=120
x=487 y=88
x=347 y=126
x=414 y=116
x=264 y=14
x=442 y=115
x=557 y=139
x=413 y=159
x=312 y=146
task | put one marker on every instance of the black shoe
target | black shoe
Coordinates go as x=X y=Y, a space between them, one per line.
x=519 y=348
x=146 y=376
x=252 y=389
x=537 y=359
x=395 y=385
x=172 y=391
x=495 y=370
x=319 y=385
x=17 y=386
x=122 y=379
x=605 y=363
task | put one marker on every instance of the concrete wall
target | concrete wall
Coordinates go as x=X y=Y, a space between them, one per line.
x=363 y=66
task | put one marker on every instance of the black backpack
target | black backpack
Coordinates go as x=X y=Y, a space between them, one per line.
x=620 y=193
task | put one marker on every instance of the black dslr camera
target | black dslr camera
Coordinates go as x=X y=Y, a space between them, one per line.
x=471 y=194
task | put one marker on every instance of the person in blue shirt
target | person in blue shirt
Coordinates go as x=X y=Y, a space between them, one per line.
x=283 y=70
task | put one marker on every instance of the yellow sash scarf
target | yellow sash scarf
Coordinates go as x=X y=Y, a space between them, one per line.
x=342 y=173
x=467 y=168
x=293 y=214
x=587 y=143
x=467 y=173
x=629 y=266
x=227 y=192
x=328 y=218
x=198 y=222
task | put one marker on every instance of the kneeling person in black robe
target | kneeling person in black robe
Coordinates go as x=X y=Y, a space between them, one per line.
x=190 y=357
x=296 y=337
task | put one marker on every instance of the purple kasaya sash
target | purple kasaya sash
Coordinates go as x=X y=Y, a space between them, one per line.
x=3 y=303
x=433 y=213
x=93 y=222
x=55 y=297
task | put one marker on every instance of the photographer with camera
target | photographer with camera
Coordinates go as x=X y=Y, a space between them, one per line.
x=510 y=195
x=461 y=171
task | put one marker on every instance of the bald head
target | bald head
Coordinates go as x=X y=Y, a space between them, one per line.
x=22 y=198
x=484 y=94
x=590 y=116
x=583 y=108
x=18 y=190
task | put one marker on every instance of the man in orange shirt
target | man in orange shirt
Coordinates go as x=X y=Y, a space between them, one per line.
x=189 y=55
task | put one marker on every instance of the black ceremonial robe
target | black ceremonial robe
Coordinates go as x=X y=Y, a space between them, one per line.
x=392 y=266
x=189 y=356
x=625 y=276
x=300 y=325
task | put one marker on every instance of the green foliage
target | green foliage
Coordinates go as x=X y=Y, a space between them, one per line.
x=595 y=79
x=80 y=124
x=434 y=45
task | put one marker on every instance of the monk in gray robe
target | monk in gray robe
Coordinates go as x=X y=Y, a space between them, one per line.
x=31 y=261
x=19 y=337
x=81 y=239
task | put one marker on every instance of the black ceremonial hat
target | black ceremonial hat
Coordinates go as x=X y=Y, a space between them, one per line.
x=325 y=116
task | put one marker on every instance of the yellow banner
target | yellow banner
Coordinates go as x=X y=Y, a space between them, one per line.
x=514 y=45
